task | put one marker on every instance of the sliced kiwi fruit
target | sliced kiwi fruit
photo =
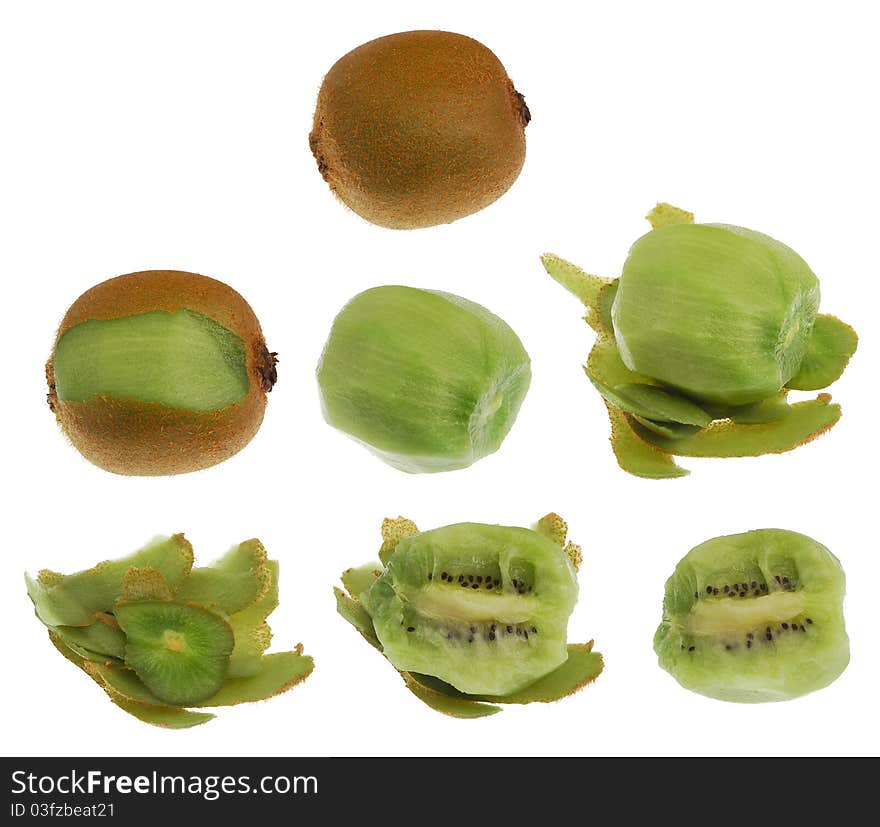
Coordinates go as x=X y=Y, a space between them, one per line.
x=158 y=635
x=179 y=650
x=473 y=615
x=419 y=128
x=484 y=608
x=755 y=617
x=159 y=372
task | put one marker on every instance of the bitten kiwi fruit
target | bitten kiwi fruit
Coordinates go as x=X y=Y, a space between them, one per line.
x=158 y=635
x=473 y=615
x=427 y=380
x=755 y=617
x=159 y=372
x=419 y=128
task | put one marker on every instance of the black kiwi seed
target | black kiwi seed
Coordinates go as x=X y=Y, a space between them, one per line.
x=809 y=622
x=748 y=644
x=726 y=589
x=696 y=595
x=714 y=591
x=803 y=628
x=489 y=586
x=510 y=630
x=479 y=578
x=518 y=632
x=410 y=628
x=534 y=630
x=708 y=590
x=750 y=635
x=473 y=630
x=430 y=575
x=471 y=578
x=754 y=584
x=768 y=635
x=460 y=578
x=491 y=635
x=785 y=626
x=691 y=648
x=784 y=581
x=475 y=586
x=471 y=639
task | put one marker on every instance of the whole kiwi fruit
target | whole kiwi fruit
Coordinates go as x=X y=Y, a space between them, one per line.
x=159 y=372
x=419 y=128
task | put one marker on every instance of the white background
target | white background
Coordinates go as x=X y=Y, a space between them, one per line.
x=174 y=135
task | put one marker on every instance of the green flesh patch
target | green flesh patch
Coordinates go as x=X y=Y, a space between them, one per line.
x=754 y=617
x=179 y=360
x=180 y=651
x=829 y=349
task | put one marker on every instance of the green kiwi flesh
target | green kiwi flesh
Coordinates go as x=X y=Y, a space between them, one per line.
x=179 y=360
x=484 y=608
x=180 y=651
x=755 y=617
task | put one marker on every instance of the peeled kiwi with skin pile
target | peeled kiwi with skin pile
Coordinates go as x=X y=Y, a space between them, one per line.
x=159 y=372
x=755 y=617
x=419 y=128
x=158 y=634
x=473 y=615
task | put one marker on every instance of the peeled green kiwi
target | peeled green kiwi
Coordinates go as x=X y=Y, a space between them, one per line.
x=484 y=608
x=159 y=372
x=419 y=128
x=755 y=617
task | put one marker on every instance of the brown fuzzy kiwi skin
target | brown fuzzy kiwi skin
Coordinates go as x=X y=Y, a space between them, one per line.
x=419 y=128
x=145 y=439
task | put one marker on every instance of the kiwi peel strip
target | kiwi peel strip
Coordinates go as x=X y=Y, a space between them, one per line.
x=652 y=423
x=159 y=636
x=581 y=667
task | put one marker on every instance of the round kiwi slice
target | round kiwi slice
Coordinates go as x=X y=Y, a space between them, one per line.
x=755 y=617
x=419 y=128
x=180 y=651
x=159 y=372
x=482 y=607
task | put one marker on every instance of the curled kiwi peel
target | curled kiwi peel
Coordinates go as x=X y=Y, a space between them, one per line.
x=522 y=580
x=160 y=636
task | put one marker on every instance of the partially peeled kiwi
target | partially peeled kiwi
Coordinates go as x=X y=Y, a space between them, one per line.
x=159 y=372
x=419 y=128
x=755 y=617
